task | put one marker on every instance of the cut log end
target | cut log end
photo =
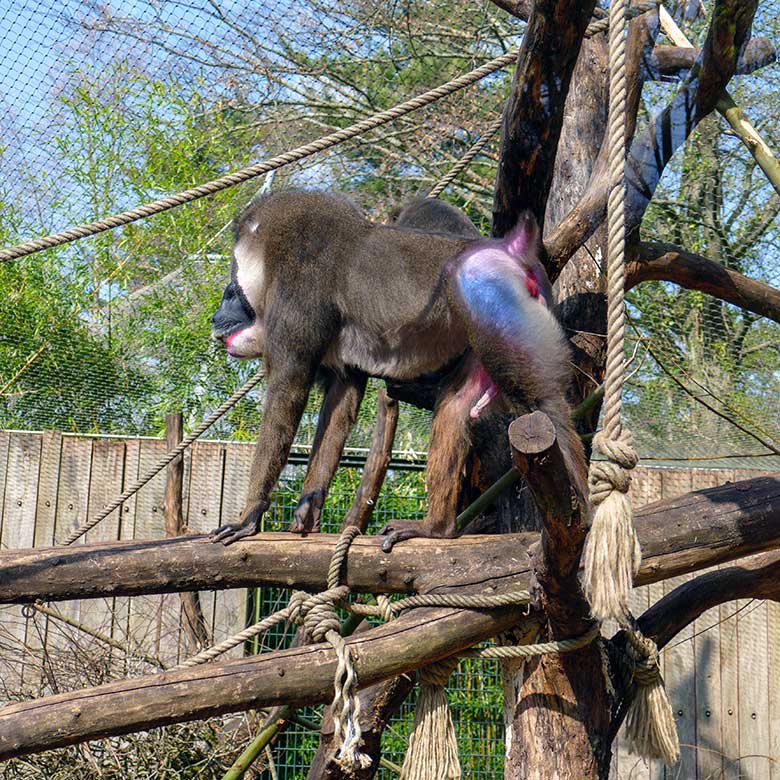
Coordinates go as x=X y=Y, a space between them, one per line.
x=532 y=433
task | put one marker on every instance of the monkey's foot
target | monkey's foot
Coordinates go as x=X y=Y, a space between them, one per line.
x=249 y=525
x=307 y=513
x=401 y=530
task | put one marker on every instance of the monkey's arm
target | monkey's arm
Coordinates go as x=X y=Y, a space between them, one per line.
x=337 y=417
x=295 y=348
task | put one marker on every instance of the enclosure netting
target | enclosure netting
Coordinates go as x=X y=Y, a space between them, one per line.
x=105 y=106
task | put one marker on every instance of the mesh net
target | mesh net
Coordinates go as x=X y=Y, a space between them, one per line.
x=105 y=106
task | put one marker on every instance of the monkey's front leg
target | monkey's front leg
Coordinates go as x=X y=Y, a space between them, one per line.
x=448 y=452
x=288 y=391
x=337 y=417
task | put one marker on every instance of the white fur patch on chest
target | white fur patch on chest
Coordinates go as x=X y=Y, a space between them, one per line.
x=250 y=273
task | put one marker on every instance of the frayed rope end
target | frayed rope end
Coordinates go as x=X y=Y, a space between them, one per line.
x=433 y=748
x=650 y=725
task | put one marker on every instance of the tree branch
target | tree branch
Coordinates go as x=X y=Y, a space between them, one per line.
x=669 y=263
x=653 y=148
x=520 y=8
x=677 y=536
x=539 y=459
x=756 y=577
x=533 y=114
x=696 y=98
x=666 y=61
x=584 y=218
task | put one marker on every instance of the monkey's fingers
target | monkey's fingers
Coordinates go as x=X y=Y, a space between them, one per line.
x=399 y=531
x=227 y=534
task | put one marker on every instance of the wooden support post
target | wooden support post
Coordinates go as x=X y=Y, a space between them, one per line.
x=195 y=627
x=563 y=700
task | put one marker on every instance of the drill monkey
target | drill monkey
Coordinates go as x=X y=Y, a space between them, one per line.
x=315 y=286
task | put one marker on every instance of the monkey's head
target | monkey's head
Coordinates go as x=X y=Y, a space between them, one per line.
x=238 y=323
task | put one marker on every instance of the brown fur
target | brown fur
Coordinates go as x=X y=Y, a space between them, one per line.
x=317 y=285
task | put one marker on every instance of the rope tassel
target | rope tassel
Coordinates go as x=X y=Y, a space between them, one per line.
x=433 y=748
x=612 y=554
x=650 y=723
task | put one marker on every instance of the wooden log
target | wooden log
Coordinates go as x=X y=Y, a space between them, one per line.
x=194 y=623
x=569 y=682
x=678 y=536
x=299 y=676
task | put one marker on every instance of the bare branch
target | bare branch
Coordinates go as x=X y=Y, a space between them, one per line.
x=756 y=577
x=520 y=8
x=696 y=98
x=669 y=263
x=666 y=61
x=533 y=114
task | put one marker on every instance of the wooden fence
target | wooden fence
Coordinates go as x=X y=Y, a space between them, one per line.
x=723 y=672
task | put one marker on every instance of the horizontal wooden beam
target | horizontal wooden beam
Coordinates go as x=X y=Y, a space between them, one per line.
x=685 y=534
x=299 y=676
x=677 y=535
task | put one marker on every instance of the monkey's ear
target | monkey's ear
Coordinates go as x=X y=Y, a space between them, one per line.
x=524 y=236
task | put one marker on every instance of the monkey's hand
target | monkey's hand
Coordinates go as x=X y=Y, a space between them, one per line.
x=401 y=530
x=307 y=513
x=248 y=524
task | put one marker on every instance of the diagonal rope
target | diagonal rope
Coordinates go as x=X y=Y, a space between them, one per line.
x=294 y=155
x=250 y=172
x=166 y=459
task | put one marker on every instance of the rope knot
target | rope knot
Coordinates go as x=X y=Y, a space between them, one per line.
x=612 y=553
x=644 y=658
x=613 y=474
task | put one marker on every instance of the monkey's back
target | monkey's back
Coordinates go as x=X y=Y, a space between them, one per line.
x=383 y=285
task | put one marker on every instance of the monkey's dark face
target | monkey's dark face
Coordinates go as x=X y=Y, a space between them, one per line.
x=238 y=322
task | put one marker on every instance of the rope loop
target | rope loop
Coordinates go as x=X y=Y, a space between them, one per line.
x=643 y=658
x=438 y=672
x=348 y=534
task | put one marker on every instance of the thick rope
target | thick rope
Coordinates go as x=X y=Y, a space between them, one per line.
x=166 y=459
x=322 y=623
x=650 y=723
x=432 y=753
x=251 y=171
x=286 y=158
x=441 y=600
x=612 y=554
x=465 y=161
x=610 y=557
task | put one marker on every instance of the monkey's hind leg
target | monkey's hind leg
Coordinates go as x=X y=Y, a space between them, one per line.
x=448 y=452
x=336 y=419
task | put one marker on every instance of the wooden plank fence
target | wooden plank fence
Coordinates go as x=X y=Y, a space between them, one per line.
x=723 y=673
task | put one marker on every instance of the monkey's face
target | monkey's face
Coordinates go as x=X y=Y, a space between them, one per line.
x=238 y=322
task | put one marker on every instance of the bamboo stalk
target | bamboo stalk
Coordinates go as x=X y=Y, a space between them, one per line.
x=731 y=112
